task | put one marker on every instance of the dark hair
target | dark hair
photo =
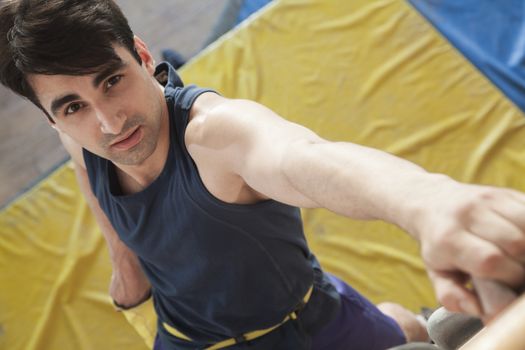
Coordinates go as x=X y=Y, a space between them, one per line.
x=71 y=37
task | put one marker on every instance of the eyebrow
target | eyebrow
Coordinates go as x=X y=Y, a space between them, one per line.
x=60 y=101
x=107 y=71
x=97 y=80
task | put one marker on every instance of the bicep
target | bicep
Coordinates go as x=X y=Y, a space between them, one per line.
x=253 y=142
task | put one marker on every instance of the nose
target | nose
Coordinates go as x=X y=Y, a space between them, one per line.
x=110 y=120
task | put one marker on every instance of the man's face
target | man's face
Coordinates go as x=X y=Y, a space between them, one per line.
x=115 y=113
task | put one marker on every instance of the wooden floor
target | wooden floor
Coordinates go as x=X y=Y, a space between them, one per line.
x=29 y=148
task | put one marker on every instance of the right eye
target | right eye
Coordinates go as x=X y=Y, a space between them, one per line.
x=73 y=108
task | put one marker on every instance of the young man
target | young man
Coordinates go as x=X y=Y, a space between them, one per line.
x=196 y=195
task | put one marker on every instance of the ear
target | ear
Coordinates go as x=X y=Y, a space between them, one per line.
x=145 y=55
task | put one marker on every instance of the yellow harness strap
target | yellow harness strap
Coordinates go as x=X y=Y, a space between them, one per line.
x=244 y=337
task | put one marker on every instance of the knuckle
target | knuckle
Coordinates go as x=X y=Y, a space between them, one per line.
x=489 y=261
x=488 y=194
x=479 y=199
x=464 y=215
x=445 y=242
x=515 y=247
x=448 y=299
x=463 y=210
x=445 y=238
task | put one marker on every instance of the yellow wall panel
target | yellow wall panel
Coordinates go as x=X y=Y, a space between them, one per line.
x=377 y=74
x=54 y=274
x=370 y=72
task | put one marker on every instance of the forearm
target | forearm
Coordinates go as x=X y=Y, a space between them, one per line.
x=359 y=182
x=505 y=332
x=129 y=285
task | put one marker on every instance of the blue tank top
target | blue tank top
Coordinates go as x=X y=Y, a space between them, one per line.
x=217 y=270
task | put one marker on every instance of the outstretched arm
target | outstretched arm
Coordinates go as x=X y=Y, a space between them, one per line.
x=464 y=230
x=129 y=286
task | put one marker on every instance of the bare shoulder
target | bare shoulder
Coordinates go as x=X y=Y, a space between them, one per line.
x=212 y=140
x=201 y=116
x=206 y=102
x=216 y=121
x=212 y=122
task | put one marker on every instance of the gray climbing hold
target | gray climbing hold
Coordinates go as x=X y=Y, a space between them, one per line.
x=450 y=330
x=416 y=346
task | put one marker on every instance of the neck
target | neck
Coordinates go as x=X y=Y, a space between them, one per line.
x=134 y=178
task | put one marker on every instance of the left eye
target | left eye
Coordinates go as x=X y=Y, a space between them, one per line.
x=113 y=81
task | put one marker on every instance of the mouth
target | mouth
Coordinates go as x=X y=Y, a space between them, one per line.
x=129 y=140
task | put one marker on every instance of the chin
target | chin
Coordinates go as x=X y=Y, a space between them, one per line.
x=134 y=157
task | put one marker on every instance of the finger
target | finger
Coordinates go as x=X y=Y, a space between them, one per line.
x=478 y=257
x=453 y=294
x=512 y=207
x=493 y=297
x=517 y=195
x=494 y=227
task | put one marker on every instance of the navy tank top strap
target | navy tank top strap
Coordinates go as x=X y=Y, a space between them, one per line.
x=180 y=100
